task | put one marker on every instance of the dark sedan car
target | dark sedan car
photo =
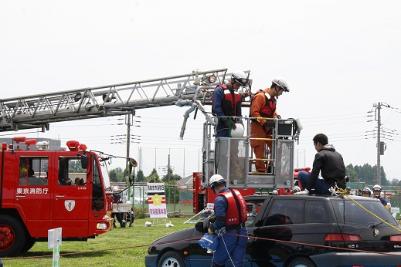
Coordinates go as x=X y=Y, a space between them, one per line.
x=295 y=231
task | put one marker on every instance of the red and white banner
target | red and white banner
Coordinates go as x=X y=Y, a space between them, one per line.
x=157 y=200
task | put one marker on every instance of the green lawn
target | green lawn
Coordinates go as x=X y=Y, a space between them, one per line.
x=115 y=248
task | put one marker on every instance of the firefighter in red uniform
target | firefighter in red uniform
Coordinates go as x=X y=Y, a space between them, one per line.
x=230 y=216
x=264 y=106
x=226 y=102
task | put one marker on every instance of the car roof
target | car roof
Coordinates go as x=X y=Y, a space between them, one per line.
x=315 y=197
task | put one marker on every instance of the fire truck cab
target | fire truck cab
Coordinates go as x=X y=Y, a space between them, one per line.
x=43 y=189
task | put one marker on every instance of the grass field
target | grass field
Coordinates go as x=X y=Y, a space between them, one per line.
x=115 y=248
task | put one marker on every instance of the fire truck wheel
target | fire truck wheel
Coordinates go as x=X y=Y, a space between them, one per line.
x=29 y=244
x=12 y=236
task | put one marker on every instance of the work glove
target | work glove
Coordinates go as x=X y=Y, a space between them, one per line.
x=212 y=218
x=230 y=123
x=268 y=127
x=211 y=229
x=303 y=192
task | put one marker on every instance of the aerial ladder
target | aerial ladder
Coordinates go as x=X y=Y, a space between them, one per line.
x=37 y=111
x=193 y=90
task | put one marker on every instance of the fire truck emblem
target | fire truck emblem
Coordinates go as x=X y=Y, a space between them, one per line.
x=69 y=205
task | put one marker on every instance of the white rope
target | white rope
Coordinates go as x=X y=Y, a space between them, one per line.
x=228 y=253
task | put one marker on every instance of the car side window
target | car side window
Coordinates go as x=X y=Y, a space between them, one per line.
x=71 y=172
x=316 y=212
x=285 y=211
x=33 y=171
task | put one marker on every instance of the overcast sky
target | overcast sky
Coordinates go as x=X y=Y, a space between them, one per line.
x=338 y=57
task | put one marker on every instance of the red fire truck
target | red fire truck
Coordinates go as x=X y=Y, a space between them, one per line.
x=29 y=210
x=43 y=189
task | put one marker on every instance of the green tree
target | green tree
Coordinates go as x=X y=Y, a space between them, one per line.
x=171 y=177
x=116 y=175
x=352 y=174
x=366 y=173
x=172 y=192
x=153 y=177
x=140 y=177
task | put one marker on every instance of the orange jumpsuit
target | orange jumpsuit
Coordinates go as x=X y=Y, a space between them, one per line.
x=263 y=105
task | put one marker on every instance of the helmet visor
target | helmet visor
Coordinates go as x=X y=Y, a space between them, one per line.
x=241 y=81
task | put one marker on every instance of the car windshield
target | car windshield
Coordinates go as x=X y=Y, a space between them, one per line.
x=105 y=173
x=351 y=213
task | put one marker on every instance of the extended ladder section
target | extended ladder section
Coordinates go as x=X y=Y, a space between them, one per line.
x=234 y=159
x=37 y=111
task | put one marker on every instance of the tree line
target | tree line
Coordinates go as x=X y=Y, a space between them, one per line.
x=118 y=175
x=368 y=174
x=357 y=173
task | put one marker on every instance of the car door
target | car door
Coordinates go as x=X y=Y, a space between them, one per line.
x=282 y=221
x=319 y=221
x=32 y=192
x=71 y=202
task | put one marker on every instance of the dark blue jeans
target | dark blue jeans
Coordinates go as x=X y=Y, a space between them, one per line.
x=321 y=186
x=235 y=245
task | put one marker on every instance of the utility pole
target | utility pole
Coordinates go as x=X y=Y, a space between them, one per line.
x=379 y=133
x=139 y=158
x=168 y=165
x=128 y=122
x=155 y=158
x=378 y=118
x=183 y=168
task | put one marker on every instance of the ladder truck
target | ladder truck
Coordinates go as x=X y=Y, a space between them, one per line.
x=22 y=222
x=42 y=188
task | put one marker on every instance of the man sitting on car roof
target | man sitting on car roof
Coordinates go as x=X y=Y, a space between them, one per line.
x=329 y=163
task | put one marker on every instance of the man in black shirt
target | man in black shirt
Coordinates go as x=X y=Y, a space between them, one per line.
x=329 y=163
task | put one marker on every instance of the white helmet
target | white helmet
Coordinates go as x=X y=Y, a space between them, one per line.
x=238 y=131
x=216 y=179
x=240 y=78
x=377 y=187
x=367 y=190
x=282 y=84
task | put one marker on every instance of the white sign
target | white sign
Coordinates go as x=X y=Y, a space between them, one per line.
x=32 y=191
x=157 y=200
x=156 y=188
x=54 y=237
x=69 y=205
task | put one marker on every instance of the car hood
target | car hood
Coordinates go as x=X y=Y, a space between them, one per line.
x=184 y=236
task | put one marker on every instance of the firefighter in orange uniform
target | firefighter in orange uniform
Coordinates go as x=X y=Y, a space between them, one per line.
x=264 y=106
x=230 y=216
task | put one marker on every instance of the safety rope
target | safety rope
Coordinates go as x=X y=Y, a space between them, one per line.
x=193 y=239
x=228 y=253
x=341 y=192
x=344 y=193
x=316 y=245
